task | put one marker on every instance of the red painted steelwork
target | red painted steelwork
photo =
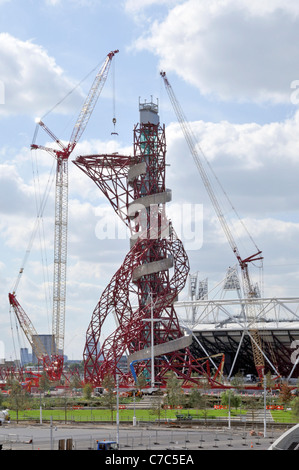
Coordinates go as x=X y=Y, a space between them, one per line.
x=135 y=187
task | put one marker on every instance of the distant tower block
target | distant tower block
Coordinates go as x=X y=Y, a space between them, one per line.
x=148 y=330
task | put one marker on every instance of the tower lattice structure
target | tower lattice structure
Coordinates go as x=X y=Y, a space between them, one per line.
x=141 y=294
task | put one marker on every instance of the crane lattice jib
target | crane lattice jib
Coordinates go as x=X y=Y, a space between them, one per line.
x=193 y=146
x=61 y=208
x=90 y=101
x=61 y=205
x=27 y=327
x=248 y=288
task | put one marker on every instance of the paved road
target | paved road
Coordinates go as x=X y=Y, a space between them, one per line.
x=153 y=438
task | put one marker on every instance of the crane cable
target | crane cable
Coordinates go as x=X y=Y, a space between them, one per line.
x=192 y=143
x=43 y=202
x=64 y=98
x=113 y=99
x=44 y=199
x=36 y=225
x=227 y=198
x=196 y=144
x=42 y=237
x=12 y=331
x=39 y=219
x=73 y=89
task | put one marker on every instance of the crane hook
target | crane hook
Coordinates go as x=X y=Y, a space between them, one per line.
x=114 y=122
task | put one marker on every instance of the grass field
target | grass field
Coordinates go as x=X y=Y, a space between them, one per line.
x=283 y=417
x=94 y=415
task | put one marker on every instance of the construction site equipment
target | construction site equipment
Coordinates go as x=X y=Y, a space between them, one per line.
x=249 y=289
x=51 y=365
x=61 y=154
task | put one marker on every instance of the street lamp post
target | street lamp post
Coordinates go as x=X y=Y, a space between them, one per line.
x=265 y=407
x=229 y=415
x=152 y=345
x=152 y=320
x=134 y=417
x=117 y=409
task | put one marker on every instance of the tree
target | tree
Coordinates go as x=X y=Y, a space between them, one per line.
x=18 y=398
x=141 y=382
x=109 y=398
x=270 y=383
x=295 y=407
x=156 y=406
x=238 y=380
x=253 y=405
x=199 y=401
x=44 y=382
x=195 y=398
x=229 y=398
x=75 y=382
x=173 y=390
x=285 y=394
x=87 y=391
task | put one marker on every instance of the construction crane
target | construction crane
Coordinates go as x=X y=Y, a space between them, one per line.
x=61 y=154
x=51 y=366
x=249 y=288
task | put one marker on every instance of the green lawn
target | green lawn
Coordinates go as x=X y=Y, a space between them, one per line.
x=92 y=414
x=283 y=416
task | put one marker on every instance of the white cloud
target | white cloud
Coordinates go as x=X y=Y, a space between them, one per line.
x=136 y=6
x=233 y=49
x=32 y=80
x=21 y=191
x=15 y=194
x=79 y=3
x=256 y=164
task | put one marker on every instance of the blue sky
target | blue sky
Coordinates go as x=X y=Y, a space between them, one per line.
x=231 y=63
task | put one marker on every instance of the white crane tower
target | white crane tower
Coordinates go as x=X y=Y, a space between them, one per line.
x=61 y=154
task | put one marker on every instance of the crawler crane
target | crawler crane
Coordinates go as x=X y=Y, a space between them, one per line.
x=54 y=364
x=249 y=288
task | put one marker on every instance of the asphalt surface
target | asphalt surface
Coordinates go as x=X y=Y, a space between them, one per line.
x=138 y=438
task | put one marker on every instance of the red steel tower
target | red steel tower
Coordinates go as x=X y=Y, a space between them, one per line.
x=141 y=294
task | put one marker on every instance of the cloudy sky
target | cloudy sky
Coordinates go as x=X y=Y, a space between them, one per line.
x=233 y=65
